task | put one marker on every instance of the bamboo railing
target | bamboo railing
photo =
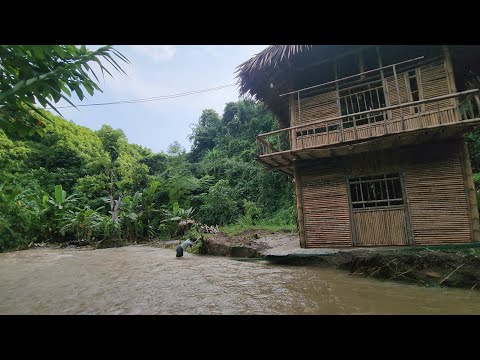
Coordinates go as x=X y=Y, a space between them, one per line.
x=370 y=124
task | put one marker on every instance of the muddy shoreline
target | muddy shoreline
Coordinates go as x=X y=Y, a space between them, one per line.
x=456 y=266
x=438 y=266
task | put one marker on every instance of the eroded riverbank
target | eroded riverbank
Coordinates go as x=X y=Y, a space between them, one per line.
x=448 y=266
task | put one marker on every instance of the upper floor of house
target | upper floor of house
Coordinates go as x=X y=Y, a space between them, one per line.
x=360 y=98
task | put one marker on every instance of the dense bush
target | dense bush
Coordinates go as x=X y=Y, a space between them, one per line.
x=73 y=183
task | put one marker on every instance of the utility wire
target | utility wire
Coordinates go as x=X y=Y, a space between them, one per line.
x=157 y=98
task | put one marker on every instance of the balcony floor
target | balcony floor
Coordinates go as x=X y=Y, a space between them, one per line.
x=283 y=161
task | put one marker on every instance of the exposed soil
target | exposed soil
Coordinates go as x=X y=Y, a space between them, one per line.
x=449 y=267
x=422 y=267
x=249 y=244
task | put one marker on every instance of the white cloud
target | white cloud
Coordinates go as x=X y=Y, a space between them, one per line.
x=157 y=53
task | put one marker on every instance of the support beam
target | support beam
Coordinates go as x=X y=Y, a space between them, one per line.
x=293 y=136
x=339 y=105
x=386 y=94
x=471 y=193
x=300 y=216
x=451 y=80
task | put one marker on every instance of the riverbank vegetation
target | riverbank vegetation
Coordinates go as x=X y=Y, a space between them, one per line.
x=72 y=184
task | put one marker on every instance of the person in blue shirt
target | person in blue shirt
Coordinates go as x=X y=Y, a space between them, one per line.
x=184 y=246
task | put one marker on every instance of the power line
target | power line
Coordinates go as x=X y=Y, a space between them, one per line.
x=157 y=98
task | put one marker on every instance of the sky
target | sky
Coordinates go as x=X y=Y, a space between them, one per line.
x=159 y=70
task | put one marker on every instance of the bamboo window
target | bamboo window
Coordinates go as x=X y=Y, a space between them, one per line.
x=376 y=191
x=361 y=98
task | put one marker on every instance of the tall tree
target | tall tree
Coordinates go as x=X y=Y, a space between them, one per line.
x=204 y=134
x=111 y=144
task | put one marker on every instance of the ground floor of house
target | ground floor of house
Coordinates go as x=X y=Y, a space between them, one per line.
x=415 y=195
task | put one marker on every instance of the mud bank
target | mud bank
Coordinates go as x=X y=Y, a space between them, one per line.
x=445 y=266
x=422 y=267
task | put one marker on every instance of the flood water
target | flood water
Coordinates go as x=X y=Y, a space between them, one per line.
x=145 y=280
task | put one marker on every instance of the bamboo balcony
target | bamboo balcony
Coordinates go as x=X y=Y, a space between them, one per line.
x=447 y=114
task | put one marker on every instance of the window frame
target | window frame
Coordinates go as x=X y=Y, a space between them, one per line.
x=397 y=185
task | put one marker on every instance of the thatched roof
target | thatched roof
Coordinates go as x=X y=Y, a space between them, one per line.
x=283 y=68
x=270 y=57
x=270 y=73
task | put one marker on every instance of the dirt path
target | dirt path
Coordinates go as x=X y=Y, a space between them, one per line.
x=251 y=243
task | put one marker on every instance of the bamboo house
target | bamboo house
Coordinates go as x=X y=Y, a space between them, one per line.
x=374 y=137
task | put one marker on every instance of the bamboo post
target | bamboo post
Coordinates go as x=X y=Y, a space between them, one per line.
x=369 y=125
x=339 y=104
x=293 y=136
x=439 y=113
x=299 y=196
x=399 y=98
x=386 y=93
x=361 y=64
x=451 y=80
x=353 y=117
x=300 y=118
x=471 y=193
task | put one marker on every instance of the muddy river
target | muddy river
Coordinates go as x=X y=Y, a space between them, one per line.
x=144 y=280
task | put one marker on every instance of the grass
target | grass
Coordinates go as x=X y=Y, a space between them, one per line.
x=470 y=249
x=235 y=229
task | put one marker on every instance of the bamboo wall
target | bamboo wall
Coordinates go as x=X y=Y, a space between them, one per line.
x=317 y=107
x=325 y=205
x=432 y=81
x=437 y=195
x=437 y=211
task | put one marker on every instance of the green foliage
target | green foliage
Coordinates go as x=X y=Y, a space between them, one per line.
x=156 y=163
x=82 y=222
x=476 y=179
x=252 y=213
x=111 y=141
x=473 y=142
x=175 y=149
x=236 y=229
x=219 y=204
x=172 y=218
x=286 y=216
x=19 y=216
x=93 y=188
x=130 y=211
x=44 y=74
x=199 y=247
x=204 y=134
x=60 y=187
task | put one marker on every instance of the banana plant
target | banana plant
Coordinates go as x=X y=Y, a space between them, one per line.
x=83 y=222
x=130 y=211
x=61 y=204
x=148 y=207
x=176 y=216
x=60 y=199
